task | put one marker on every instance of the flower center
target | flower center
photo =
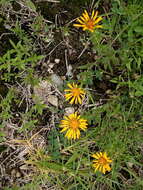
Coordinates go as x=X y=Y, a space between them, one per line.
x=74 y=123
x=102 y=161
x=75 y=92
x=90 y=24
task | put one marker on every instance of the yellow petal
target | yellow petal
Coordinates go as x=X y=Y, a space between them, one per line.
x=83 y=19
x=66 y=118
x=72 y=100
x=95 y=156
x=96 y=166
x=104 y=170
x=80 y=21
x=87 y=16
x=101 y=154
x=108 y=168
x=68 y=95
x=71 y=116
x=79 y=99
x=74 y=135
x=68 y=134
x=76 y=100
x=69 y=85
x=95 y=15
x=91 y=30
x=64 y=129
x=97 y=20
x=75 y=114
x=100 y=168
x=67 y=90
x=82 y=91
x=78 y=25
x=98 y=26
x=92 y=14
x=105 y=155
x=78 y=133
x=85 y=28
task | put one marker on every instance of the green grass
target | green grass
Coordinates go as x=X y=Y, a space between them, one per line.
x=114 y=85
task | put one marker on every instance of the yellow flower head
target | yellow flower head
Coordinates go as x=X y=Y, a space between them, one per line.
x=89 y=22
x=75 y=94
x=102 y=162
x=72 y=124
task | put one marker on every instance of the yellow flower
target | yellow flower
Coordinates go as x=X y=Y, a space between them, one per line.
x=72 y=124
x=87 y=22
x=75 y=94
x=102 y=162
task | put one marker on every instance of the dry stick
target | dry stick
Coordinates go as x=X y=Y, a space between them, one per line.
x=5 y=34
x=66 y=60
x=50 y=1
x=92 y=5
x=56 y=21
x=86 y=46
x=27 y=14
x=55 y=48
x=35 y=13
x=53 y=123
x=43 y=129
x=2 y=170
x=8 y=157
x=71 y=21
x=56 y=89
x=24 y=6
x=25 y=96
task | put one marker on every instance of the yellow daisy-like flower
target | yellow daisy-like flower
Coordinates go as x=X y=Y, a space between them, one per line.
x=87 y=22
x=72 y=124
x=75 y=94
x=102 y=162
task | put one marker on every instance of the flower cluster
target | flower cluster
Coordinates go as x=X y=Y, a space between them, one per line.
x=73 y=123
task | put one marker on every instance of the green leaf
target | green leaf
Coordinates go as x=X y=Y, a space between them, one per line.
x=72 y=158
x=138 y=29
x=51 y=166
x=31 y=5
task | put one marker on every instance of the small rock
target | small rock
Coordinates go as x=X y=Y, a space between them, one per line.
x=45 y=85
x=7 y=26
x=53 y=100
x=18 y=174
x=51 y=65
x=24 y=167
x=56 y=80
x=45 y=65
x=13 y=172
x=43 y=92
x=57 y=61
x=42 y=89
x=130 y=164
x=50 y=68
x=69 y=110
